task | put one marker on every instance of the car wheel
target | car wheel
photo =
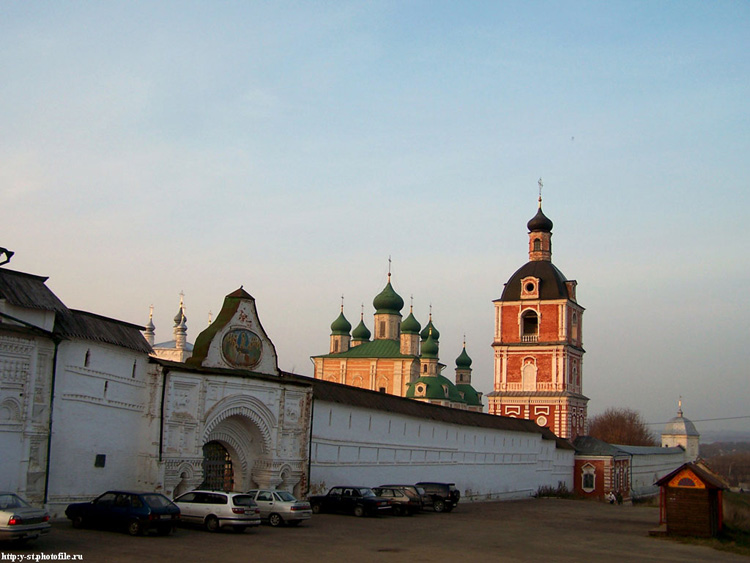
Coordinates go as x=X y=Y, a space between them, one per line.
x=275 y=520
x=135 y=528
x=79 y=522
x=439 y=506
x=316 y=508
x=398 y=511
x=212 y=524
x=359 y=511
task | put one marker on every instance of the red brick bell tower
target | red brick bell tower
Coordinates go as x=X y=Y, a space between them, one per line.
x=538 y=342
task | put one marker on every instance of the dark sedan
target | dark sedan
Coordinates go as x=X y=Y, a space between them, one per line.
x=350 y=500
x=133 y=512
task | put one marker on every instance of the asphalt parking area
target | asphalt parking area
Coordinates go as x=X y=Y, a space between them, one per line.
x=529 y=530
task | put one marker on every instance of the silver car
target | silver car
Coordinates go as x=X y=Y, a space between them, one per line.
x=19 y=520
x=216 y=509
x=281 y=507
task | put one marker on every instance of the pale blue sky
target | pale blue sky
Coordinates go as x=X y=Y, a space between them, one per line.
x=154 y=147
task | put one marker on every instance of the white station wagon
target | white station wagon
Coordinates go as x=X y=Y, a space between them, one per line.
x=280 y=507
x=216 y=509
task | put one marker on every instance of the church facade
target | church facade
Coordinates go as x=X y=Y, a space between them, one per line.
x=402 y=359
x=538 y=342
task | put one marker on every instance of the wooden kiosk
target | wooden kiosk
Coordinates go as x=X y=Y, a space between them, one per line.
x=690 y=501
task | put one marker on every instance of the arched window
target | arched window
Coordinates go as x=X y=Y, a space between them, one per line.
x=537 y=244
x=588 y=478
x=529 y=326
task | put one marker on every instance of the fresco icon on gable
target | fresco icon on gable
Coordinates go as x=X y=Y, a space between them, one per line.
x=241 y=348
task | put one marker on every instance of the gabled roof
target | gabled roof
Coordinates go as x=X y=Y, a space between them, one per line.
x=28 y=291
x=89 y=326
x=650 y=450
x=373 y=349
x=709 y=478
x=588 y=445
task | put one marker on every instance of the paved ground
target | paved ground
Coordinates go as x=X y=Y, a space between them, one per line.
x=530 y=530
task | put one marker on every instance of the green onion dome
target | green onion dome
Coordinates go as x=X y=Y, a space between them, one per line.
x=341 y=326
x=463 y=361
x=361 y=332
x=430 y=329
x=430 y=347
x=388 y=301
x=410 y=325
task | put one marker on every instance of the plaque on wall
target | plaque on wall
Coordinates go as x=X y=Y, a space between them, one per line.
x=241 y=348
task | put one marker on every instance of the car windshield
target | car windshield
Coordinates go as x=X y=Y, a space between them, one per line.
x=366 y=492
x=12 y=501
x=243 y=500
x=286 y=496
x=156 y=500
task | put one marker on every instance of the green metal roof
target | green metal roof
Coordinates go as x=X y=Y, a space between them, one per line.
x=374 y=349
x=435 y=389
x=470 y=394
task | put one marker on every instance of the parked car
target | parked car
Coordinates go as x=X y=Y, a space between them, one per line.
x=19 y=520
x=217 y=509
x=281 y=507
x=350 y=500
x=403 y=501
x=135 y=512
x=443 y=497
x=417 y=492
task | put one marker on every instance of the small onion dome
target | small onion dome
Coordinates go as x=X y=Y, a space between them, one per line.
x=150 y=325
x=361 y=332
x=430 y=347
x=430 y=329
x=388 y=301
x=410 y=325
x=539 y=222
x=180 y=316
x=341 y=325
x=463 y=361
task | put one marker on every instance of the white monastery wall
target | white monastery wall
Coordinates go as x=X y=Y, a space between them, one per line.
x=368 y=447
x=99 y=410
x=646 y=469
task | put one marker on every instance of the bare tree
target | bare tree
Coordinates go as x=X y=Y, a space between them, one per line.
x=621 y=426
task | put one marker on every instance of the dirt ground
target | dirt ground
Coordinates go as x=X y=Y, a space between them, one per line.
x=529 y=530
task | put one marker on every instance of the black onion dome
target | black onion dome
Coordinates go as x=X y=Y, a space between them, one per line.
x=551 y=281
x=540 y=222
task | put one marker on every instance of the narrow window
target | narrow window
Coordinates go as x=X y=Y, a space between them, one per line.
x=87 y=359
x=537 y=244
x=135 y=363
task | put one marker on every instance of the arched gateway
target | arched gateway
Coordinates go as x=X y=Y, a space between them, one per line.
x=231 y=420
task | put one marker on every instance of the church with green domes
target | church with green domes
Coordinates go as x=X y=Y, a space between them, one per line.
x=401 y=358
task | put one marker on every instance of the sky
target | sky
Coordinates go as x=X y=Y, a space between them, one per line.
x=153 y=148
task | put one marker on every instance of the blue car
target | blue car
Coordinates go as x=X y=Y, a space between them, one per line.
x=130 y=511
